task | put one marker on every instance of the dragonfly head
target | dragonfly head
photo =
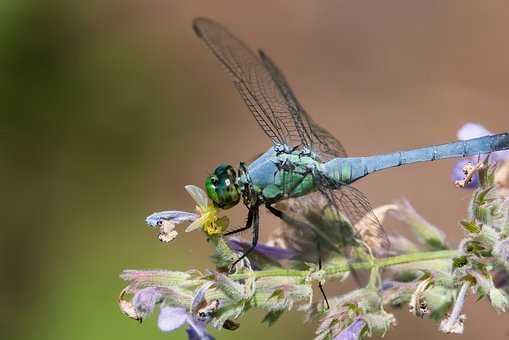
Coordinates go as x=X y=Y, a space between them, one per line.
x=222 y=187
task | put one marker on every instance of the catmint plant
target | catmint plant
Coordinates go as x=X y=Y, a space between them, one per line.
x=426 y=274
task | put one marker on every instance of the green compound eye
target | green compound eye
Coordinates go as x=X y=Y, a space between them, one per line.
x=210 y=187
x=221 y=187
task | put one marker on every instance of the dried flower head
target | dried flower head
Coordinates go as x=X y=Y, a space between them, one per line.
x=464 y=172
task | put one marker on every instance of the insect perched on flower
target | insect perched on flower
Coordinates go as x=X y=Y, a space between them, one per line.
x=304 y=179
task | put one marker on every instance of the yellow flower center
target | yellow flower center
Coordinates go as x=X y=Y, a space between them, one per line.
x=211 y=223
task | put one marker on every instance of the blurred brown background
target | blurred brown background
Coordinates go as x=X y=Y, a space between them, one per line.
x=110 y=107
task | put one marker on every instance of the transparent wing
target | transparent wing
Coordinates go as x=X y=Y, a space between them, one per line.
x=337 y=219
x=347 y=203
x=253 y=81
x=355 y=207
x=310 y=221
x=278 y=112
x=311 y=134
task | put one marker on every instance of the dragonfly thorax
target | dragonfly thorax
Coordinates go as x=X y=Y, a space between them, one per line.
x=222 y=187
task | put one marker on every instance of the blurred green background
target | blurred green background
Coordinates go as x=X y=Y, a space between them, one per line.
x=108 y=108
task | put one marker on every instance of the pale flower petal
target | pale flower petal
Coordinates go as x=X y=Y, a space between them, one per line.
x=472 y=130
x=145 y=300
x=353 y=331
x=469 y=131
x=171 y=318
x=197 y=330
x=198 y=195
x=173 y=216
x=192 y=334
x=198 y=223
x=199 y=298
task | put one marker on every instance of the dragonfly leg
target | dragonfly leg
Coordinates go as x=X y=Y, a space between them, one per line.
x=249 y=222
x=253 y=220
x=319 y=253
x=236 y=231
x=285 y=217
x=248 y=225
x=288 y=219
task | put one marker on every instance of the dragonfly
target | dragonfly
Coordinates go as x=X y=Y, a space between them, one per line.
x=306 y=167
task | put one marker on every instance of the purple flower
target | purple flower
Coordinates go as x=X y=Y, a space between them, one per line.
x=175 y=308
x=166 y=222
x=271 y=252
x=353 y=331
x=142 y=303
x=192 y=334
x=172 y=318
x=469 y=131
x=173 y=216
x=145 y=300
x=472 y=130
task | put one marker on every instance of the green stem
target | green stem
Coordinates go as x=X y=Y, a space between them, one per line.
x=345 y=267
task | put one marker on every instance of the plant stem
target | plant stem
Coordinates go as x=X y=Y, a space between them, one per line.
x=453 y=323
x=346 y=267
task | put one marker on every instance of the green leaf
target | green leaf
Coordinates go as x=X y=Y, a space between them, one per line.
x=471 y=227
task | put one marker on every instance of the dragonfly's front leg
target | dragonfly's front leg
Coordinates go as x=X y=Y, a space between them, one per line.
x=253 y=220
